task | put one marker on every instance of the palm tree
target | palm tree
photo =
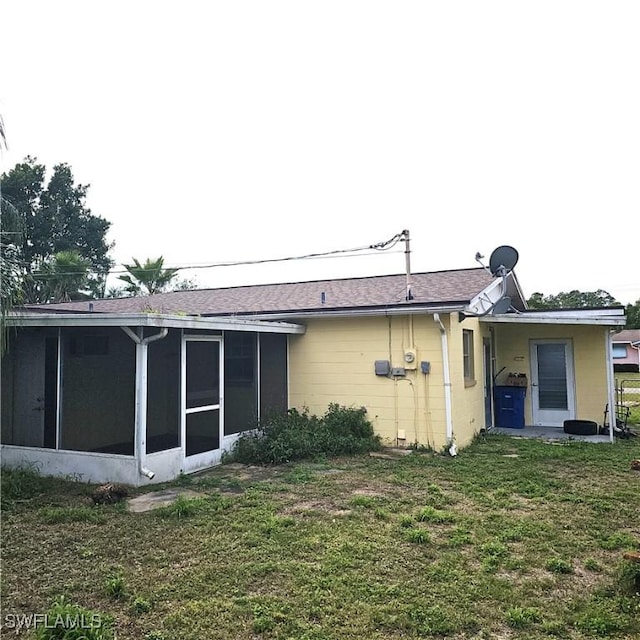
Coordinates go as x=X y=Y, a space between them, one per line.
x=64 y=278
x=147 y=278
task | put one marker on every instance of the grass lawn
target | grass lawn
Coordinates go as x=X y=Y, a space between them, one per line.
x=511 y=539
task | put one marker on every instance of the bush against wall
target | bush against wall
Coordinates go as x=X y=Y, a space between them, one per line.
x=299 y=435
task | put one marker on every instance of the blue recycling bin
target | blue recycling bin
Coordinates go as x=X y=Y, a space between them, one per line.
x=509 y=406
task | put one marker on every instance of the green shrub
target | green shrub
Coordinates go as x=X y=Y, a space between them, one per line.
x=628 y=577
x=182 y=507
x=66 y=621
x=557 y=565
x=140 y=605
x=430 y=514
x=18 y=484
x=519 y=617
x=115 y=587
x=299 y=435
x=618 y=540
x=418 y=535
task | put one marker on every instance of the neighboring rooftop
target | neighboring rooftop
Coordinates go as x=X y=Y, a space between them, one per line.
x=627 y=335
x=435 y=288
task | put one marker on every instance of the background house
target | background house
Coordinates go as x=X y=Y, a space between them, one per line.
x=626 y=350
x=142 y=389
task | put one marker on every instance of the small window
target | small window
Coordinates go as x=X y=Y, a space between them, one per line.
x=467 y=355
x=619 y=351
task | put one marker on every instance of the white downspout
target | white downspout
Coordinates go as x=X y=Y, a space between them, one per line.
x=447 y=386
x=141 y=396
x=611 y=392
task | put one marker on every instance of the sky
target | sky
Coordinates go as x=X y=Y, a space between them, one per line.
x=250 y=130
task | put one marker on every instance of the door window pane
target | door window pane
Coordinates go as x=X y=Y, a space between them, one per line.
x=203 y=374
x=552 y=376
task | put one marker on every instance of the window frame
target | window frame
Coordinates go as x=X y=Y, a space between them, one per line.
x=468 y=357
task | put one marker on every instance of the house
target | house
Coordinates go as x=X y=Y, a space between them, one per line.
x=626 y=350
x=139 y=390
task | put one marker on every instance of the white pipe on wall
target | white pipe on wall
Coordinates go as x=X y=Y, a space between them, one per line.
x=447 y=385
x=142 y=348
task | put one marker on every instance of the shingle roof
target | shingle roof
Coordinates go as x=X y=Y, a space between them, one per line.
x=627 y=335
x=435 y=288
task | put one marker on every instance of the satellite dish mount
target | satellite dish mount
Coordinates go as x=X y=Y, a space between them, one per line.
x=501 y=263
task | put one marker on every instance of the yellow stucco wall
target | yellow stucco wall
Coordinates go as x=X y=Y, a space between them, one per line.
x=589 y=353
x=334 y=362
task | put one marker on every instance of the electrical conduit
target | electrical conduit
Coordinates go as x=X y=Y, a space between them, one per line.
x=453 y=449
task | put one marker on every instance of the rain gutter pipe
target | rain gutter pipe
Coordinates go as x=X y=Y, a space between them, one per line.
x=447 y=385
x=142 y=350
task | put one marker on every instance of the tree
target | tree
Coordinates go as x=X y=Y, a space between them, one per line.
x=10 y=274
x=64 y=277
x=632 y=312
x=148 y=278
x=572 y=300
x=53 y=218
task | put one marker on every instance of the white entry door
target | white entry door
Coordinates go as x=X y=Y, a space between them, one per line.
x=202 y=402
x=552 y=382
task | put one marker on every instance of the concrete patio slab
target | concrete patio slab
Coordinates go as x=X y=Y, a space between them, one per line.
x=156 y=499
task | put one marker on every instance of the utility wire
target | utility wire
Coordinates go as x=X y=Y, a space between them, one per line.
x=337 y=253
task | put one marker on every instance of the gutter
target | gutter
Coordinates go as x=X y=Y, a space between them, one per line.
x=142 y=345
x=453 y=449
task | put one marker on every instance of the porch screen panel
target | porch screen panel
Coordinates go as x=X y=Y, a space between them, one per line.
x=273 y=374
x=98 y=390
x=163 y=393
x=29 y=388
x=240 y=381
x=552 y=376
x=203 y=431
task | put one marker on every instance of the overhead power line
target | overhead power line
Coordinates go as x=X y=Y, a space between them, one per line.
x=370 y=249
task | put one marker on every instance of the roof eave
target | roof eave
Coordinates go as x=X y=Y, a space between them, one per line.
x=151 y=320
x=361 y=312
x=585 y=319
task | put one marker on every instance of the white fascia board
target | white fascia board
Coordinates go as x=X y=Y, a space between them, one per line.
x=150 y=320
x=570 y=313
x=515 y=318
x=363 y=313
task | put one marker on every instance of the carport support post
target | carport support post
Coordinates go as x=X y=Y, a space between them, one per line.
x=142 y=350
x=141 y=407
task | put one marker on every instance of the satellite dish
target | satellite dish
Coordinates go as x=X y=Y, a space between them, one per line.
x=502 y=306
x=502 y=260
